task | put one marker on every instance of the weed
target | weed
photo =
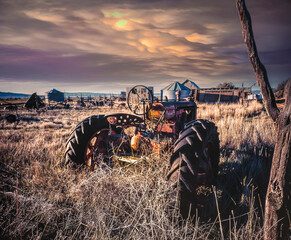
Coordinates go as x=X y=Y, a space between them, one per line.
x=42 y=199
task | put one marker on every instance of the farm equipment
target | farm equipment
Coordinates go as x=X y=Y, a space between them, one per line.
x=162 y=126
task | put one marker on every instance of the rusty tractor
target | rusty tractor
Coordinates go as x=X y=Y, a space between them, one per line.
x=162 y=126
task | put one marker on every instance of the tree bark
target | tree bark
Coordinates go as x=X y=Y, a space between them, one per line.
x=277 y=221
x=277 y=206
x=258 y=67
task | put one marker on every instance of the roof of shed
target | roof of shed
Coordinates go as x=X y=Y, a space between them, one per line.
x=54 y=91
x=176 y=86
x=191 y=84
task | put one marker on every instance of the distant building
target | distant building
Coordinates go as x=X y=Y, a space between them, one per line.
x=209 y=95
x=190 y=84
x=212 y=95
x=194 y=89
x=255 y=96
x=123 y=94
x=139 y=93
x=142 y=91
x=169 y=93
x=55 y=95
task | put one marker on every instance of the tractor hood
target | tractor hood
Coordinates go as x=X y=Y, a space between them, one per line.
x=170 y=110
x=178 y=105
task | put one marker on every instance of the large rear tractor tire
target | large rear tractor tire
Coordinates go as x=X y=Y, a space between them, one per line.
x=88 y=141
x=194 y=168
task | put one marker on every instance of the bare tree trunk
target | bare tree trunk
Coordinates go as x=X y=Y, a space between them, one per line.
x=277 y=206
x=259 y=69
x=278 y=200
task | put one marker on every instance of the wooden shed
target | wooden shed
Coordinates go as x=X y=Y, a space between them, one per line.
x=55 y=95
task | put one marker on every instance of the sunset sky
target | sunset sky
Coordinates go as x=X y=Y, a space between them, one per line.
x=106 y=46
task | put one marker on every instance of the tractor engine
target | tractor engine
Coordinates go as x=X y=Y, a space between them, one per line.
x=170 y=117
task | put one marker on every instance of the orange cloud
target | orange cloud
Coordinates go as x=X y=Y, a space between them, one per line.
x=199 y=38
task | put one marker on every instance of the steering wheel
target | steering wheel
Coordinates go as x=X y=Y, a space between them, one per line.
x=140 y=100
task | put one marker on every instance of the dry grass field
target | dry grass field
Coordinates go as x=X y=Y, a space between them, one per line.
x=40 y=198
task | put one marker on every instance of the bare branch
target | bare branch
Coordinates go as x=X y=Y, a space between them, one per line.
x=287 y=96
x=259 y=69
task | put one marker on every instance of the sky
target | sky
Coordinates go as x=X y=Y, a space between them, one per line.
x=106 y=46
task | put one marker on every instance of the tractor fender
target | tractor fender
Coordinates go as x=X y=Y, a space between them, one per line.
x=123 y=119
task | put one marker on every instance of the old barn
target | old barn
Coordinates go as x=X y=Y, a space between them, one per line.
x=55 y=95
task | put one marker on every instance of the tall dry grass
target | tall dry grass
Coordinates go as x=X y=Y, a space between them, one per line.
x=40 y=198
